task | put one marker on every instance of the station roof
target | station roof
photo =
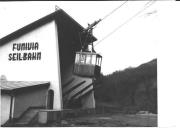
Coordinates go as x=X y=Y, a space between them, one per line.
x=8 y=86
x=58 y=15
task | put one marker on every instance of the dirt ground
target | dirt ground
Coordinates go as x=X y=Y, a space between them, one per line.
x=110 y=120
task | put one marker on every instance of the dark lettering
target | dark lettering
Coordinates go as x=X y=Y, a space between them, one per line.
x=19 y=56
x=14 y=56
x=23 y=47
x=39 y=56
x=18 y=47
x=10 y=57
x=26 y=46
x=29 y=46
x=33 y=56
x=29 y=56
x=36 y=46
x=24 y=56
x=14 y=46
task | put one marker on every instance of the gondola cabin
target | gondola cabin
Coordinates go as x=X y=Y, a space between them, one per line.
x=87 y=64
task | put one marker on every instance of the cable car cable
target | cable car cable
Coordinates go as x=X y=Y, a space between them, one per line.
x=146 y=6
x=113 y=10
x=150 y=1
x=90 y=27
x=127 y=21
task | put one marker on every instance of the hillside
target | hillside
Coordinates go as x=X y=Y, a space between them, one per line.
x=133 y=89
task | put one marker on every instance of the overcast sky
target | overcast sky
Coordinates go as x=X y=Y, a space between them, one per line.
x=133 y=44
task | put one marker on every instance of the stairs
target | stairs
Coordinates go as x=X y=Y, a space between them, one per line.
x=27 y=117
x=75 y=90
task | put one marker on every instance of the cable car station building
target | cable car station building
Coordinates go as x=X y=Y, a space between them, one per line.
x=42 y=66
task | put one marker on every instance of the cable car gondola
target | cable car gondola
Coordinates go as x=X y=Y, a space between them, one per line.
x=87 y=64
x=87 y=61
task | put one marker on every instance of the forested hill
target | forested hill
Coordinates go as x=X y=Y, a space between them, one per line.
x=134 y=88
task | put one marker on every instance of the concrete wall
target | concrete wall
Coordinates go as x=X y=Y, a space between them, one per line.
x=5 y=107
x=88 y=101
x=69 y=44
x=46 y=69
x=28 y=98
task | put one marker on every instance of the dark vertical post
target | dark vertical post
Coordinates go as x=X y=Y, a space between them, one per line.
x=10 y=113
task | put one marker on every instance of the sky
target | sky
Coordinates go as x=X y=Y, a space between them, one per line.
x=152 y=34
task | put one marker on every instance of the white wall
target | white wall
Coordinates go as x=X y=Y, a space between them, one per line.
x=5 y=107
x=45 y=69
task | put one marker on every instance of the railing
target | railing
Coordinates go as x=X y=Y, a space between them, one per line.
x=87 y=93
x=81 y=91
x=74 y=87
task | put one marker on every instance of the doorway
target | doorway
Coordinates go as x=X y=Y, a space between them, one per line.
x=50 y=99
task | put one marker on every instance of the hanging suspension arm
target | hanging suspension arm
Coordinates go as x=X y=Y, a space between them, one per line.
x=91 y=26
x=88 y=32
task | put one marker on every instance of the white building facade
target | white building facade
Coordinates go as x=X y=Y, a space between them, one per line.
x=45 y=51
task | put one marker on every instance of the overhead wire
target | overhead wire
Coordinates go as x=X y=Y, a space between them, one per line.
x=113 y=10
x=147 y=5
x=110 y=13
x=150 y=2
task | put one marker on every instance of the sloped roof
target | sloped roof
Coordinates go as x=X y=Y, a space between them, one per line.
x=59 y=14
x=14 y=85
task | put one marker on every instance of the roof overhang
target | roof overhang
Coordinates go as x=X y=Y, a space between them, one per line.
x=12 y=87
x=59 y=14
